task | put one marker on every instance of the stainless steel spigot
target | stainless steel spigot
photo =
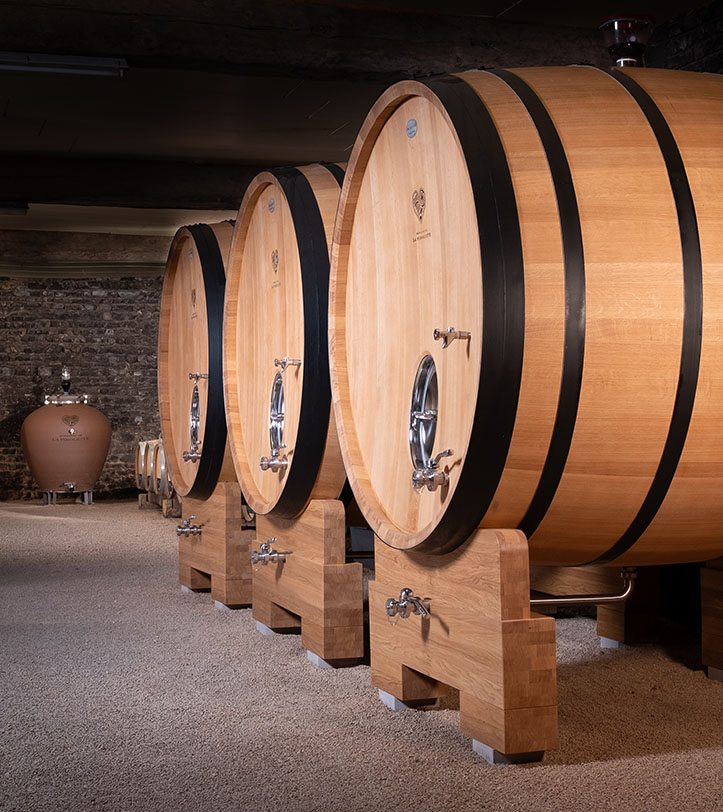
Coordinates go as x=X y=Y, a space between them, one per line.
x=274 y=463
x=407 y=604
x=267 y=554
x=196 y=376
x=69 y=486
x=188 y=529
x=192 y=455
x=286 y=362
x=449 y=335
x=431 y=476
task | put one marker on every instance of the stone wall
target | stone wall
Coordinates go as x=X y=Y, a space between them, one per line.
x=691 y=42
x=105 y=331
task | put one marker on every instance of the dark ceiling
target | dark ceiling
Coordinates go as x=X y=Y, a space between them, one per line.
x=218 y=89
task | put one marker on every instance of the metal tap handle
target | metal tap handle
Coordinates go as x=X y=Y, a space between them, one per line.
x=446 y=453
x=274 y=462
x=195 y=376
x=406 y=596
x=267 y=554
x=430 y=476
x=286 y=362
x=187 y=529
x=407 y=603
x=449 y=335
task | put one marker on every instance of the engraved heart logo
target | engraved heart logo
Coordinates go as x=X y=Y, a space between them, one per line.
x=419 y=202
x=275 y=260
x=71 y=419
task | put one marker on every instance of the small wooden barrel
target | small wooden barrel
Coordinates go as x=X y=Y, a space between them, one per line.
x=141 y=453
x=161 y=482
x=146 y=464
x=278 y=396
x=526 y=312
x=190 y=379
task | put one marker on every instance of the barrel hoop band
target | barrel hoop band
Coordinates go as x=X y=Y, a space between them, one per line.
x=574 y=266
x=336 y=171
x=213 y=446
x=692 y=320
x=503 y=313
x=316 y=384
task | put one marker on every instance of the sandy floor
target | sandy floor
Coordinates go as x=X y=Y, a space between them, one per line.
x=120 y=692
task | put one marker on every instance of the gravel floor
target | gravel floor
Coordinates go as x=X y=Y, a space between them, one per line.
x=120 y=692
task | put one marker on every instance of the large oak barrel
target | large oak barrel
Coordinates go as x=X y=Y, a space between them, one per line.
x=276 y=366
x=567 y=224
x=190 y=378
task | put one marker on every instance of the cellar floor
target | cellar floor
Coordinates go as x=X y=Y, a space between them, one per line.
x=120 y=692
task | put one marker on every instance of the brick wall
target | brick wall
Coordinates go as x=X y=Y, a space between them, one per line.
x=105 y=331
x=691 y=42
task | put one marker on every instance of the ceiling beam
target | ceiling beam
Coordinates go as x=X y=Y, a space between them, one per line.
x=135 y=184
x=72 y=254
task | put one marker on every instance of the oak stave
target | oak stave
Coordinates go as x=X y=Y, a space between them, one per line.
x=584 y=409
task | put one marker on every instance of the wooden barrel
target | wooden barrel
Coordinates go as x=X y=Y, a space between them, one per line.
x=140 y=467
x=146 y=464
x=567 y=224
x=278 y=396
x=190 y=379
x=161 y=481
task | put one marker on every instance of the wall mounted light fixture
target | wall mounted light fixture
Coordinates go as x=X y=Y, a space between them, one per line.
x=63 y=63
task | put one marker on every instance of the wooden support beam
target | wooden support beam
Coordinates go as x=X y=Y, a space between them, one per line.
x=72 y=254
x=136 y=184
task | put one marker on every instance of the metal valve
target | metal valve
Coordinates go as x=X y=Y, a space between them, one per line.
x=188 y=529
x=267 y=554
x=449 y=335
x=408 y=604
x=431 y=476
x=195 y=420
x=274 y=463
x=286 y=362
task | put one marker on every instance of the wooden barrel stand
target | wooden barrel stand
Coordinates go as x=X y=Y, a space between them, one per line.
x=217 y=559
x=313 y=589
x=480 y=637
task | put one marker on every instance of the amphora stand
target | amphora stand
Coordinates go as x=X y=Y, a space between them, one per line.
x=301 y=581
x=479 y=636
